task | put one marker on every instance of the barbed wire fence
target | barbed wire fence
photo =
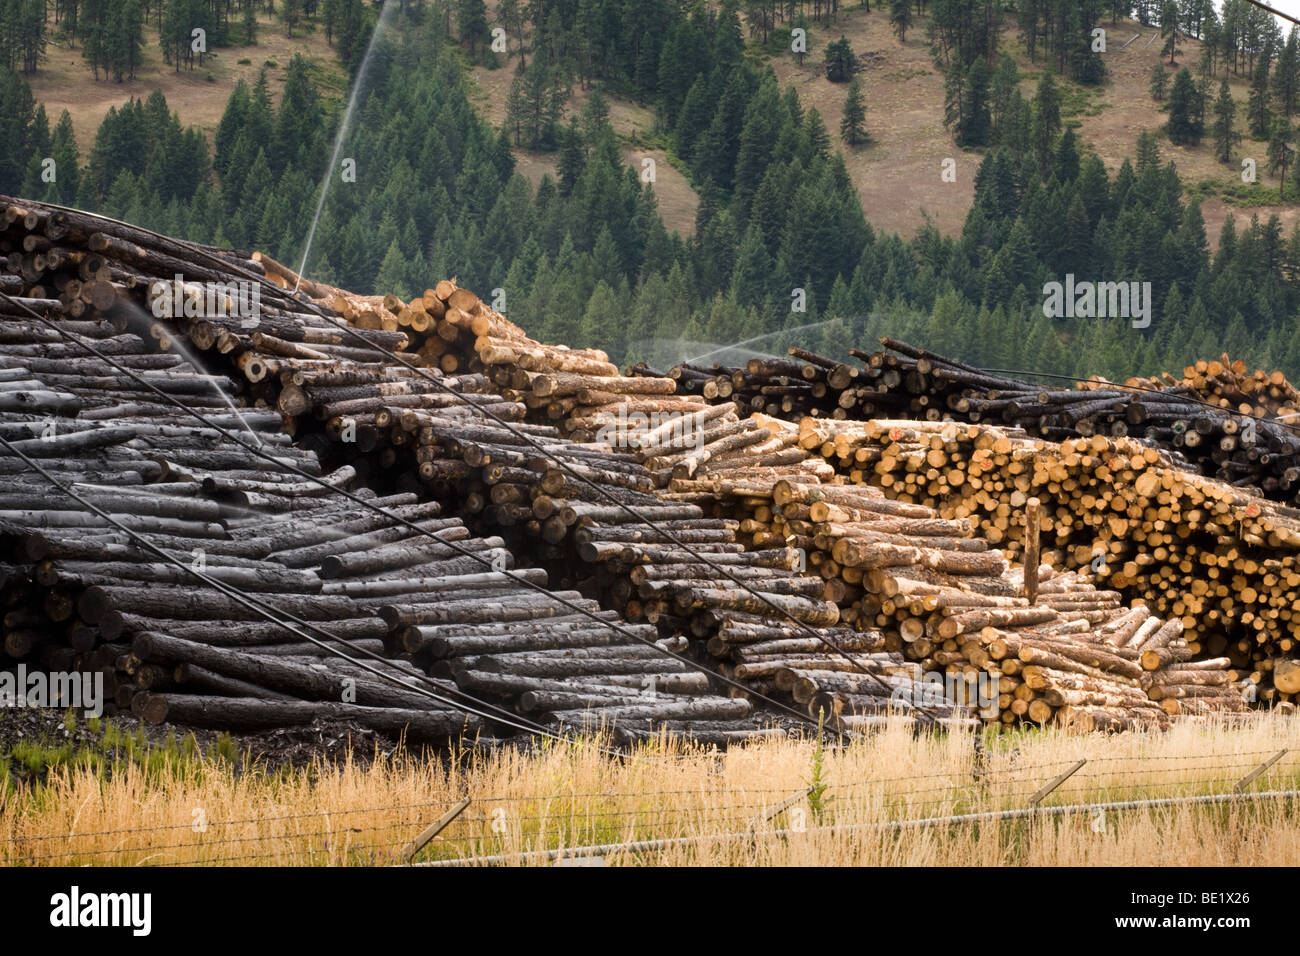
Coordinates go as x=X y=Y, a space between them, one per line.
x=503 y=829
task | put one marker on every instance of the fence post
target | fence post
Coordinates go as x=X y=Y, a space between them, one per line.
x=1247 y=780
x=432 y=830
x=1051 y=785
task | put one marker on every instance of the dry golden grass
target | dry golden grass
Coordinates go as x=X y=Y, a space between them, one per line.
x=65 y=81
x=197 y=811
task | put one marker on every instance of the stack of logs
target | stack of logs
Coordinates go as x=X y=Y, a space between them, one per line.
x=1223 y=562
x=81 y=595
x=551 y=454
x=1198 y=421
x=698 y=458
x=911 y=581
x=1227 y=384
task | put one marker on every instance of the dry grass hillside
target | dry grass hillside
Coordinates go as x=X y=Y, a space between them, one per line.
x=897 y=174
x=65 y=80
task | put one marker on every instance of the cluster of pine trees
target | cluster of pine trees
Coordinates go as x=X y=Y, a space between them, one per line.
x=782 y=252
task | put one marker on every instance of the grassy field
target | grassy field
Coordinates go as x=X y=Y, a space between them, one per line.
x=871 y=801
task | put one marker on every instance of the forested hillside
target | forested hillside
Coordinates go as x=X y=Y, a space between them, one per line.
x=426 y=188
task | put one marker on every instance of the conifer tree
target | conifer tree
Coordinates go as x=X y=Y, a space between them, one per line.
x=1281 y=151
x=1286 y=74
x=1169 y=30
x=841 y=64
x=853 y=125
x=1159 y=81
x=1258 y=113
x=1225 y=136
x=1184 y=126
x=900 y=18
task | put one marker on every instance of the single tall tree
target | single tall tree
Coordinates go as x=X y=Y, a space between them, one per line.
x=1169 y=30
x=900 y=17
x=853 y=126
x=1257 y=107
x=1047 y=121
x=1225 y=137
x=1281 y=151
x=841 y=63
x=1184 y=125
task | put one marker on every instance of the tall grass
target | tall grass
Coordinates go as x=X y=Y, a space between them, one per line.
x=206 y=809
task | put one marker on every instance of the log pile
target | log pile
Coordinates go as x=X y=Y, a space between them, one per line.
x=1204 y=421
x=577 y=391
x=82 y=595
x=929 y=587
x=1227 y=384
x=1225 y=563
x=699 y=457
x=539 y=451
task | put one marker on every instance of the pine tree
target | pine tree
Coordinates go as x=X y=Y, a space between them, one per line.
x=1004 y=83
x=1281 y=151
x=975 y=112
x=1258 y=112
x=900 y=18
x=392 y=273
x=1286 y=74
x=853 y=125
x=1184 y=127
x=1159 y=81
x=1169 y=30
x=1225 y=137
x=1047 y=120
x=841 y=64
x=536 y=100
x=290 y=12
x=573 y=157
x=471 y=21
x=954 y=98
x=1067 y=158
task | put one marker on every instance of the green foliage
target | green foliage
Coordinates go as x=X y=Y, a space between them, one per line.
x=535 y=104
x=1185 y=126
x=841 y=63
x=1159 y=82
x=1258 y=112
x=900 y=18
x=1281 y=150
x=853 y=127
x=1169 y=30
x=818 y=783
x=1225 y=134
